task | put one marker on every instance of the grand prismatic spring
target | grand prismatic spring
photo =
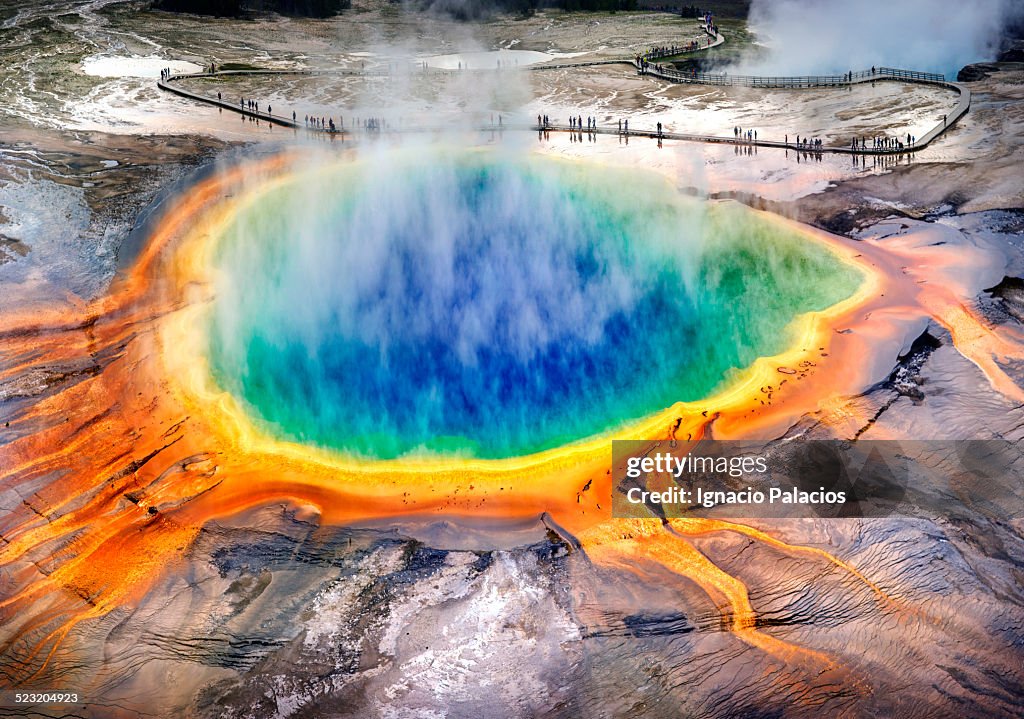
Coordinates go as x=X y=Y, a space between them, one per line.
x=334 y=350
x=504 y=308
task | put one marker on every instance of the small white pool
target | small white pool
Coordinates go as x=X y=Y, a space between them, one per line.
x=129 y=66
x=488 y=60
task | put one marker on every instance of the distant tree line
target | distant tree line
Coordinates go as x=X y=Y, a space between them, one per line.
x=596 y=5
x=458 y=9
x=466 y=10
x=478 y=9
x=683 y=10
x=234 y=8
x=613 y=5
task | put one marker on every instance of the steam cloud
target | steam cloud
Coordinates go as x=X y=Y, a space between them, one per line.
x=833 y=36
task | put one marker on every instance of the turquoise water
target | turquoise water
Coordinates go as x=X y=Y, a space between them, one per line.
x=459 y=304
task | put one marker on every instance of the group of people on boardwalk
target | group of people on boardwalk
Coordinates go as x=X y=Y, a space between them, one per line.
x=644 y=65
x=576 y=123
x=321 y=123
x=580 y=124
x=166 y=73
x=746 y=135
x=812 y=144
x=882 y=143
x=709 y=24
x=318 y=123
x=327 y=124
x=642 y=60
x=670 y=50
x=815 y=144
x=892 y=143
x=671 y=72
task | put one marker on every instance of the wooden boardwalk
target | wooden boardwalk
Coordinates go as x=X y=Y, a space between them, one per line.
x=646 y=66
x=875 y=74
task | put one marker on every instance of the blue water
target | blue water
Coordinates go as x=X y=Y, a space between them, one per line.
x=463 y=305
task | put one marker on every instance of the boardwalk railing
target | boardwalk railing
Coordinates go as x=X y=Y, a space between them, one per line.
x=714 y=40
x=768 y=81
x=851 y=78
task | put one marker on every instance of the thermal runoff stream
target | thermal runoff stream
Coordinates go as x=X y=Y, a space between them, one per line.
x=462 y=303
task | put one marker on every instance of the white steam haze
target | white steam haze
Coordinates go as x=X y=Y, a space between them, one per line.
x=392 y=265
x=806 y=37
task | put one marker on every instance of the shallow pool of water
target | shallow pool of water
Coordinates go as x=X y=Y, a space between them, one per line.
x=488 y=60
x=126 y=66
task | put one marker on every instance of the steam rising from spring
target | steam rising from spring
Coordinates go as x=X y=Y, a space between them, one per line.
x=834 y=36
x=471 y=302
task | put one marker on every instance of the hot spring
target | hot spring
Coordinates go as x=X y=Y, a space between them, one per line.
x=471 y=304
